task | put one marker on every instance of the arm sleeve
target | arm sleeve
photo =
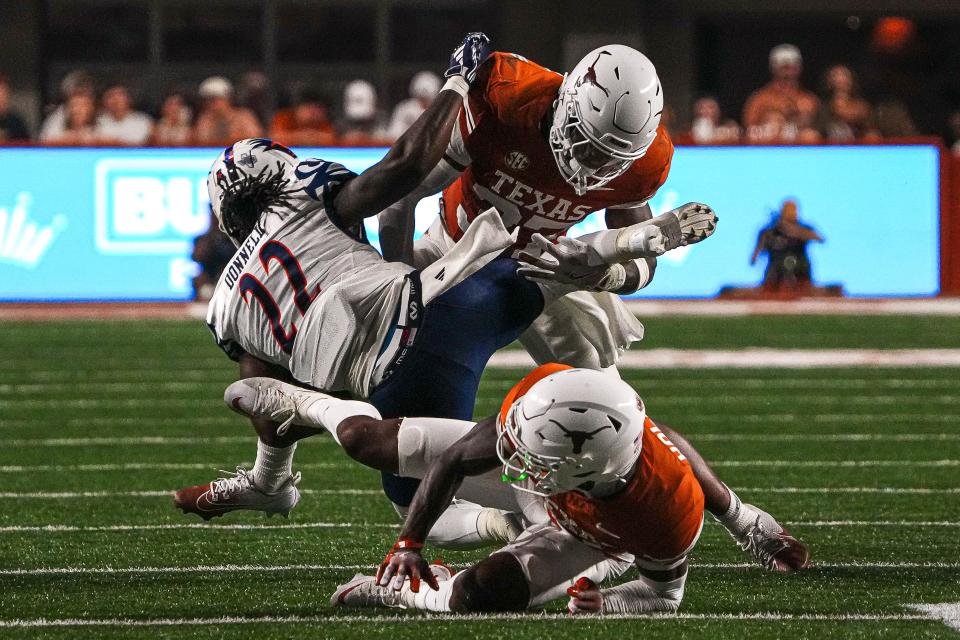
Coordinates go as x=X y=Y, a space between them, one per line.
x=644 y=596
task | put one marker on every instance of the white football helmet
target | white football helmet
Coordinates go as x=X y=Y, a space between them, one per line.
x=246 y=167
x=574 y=427
x=606 y=116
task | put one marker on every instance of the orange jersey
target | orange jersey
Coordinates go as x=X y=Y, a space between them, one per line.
x=657 y=517
x=503 y=141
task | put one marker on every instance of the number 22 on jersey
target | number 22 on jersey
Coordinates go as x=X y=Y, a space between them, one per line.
x=249 y=284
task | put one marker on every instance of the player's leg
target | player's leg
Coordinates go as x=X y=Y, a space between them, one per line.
x=755 y=530
x=406 y=446
x=282 y=414
x=460 y=331
x=536 y=568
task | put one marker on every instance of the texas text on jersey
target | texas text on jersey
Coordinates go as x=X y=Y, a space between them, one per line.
x=501 y=141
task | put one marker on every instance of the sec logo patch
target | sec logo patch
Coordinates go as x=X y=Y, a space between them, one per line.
x=517 y=160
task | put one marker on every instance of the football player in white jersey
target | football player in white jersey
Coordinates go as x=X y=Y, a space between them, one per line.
x=305 y=297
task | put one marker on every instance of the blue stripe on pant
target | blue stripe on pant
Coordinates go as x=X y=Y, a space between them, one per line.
x=460 y=331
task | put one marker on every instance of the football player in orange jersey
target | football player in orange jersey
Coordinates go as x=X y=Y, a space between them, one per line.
x=599 y=485
x=547 y=150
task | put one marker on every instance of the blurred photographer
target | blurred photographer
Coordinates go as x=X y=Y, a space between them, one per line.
x=785 y=242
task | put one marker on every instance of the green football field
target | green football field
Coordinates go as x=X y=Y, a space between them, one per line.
x=101 y=421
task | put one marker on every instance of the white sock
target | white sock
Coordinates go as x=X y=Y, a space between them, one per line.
x=739 y=517
x=465 y=526
x=273 y=466
x=428 y=600
x=329 y=412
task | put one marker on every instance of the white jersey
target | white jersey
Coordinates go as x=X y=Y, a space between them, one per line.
x=304 y=294
x=315 y=298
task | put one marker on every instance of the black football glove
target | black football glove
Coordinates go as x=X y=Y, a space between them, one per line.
x=467 y=58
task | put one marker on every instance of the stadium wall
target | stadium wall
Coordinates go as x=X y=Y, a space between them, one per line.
x=117 y=224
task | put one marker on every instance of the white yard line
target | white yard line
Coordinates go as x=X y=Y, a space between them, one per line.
x=199 y=526
x=822 y=437
x=722 y=417
x=920 y=491
x=59 y=495
x=124 y=441
x=105 y=387
x=762 y=358
x=213 y=466
x=664 y=399
x=699 y=437
x=62 y=495
x=160 y=380
x=807 y=306
x=419 y=619
x=66 y=528
x=253 y=568
x=153 y=466
x=835 y=463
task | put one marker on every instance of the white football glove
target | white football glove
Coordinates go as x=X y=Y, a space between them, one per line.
x=585 y=597
x=570 y=262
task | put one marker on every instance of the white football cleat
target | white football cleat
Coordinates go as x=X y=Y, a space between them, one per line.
x=363 y=591
x=272 y=399
x=237 y=493
x=772 y=546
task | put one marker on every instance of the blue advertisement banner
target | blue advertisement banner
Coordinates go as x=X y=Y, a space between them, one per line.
x=119 y=224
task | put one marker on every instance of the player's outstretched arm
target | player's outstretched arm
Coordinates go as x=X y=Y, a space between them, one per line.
x=414 y=155
x=473 y=454
x=397 y=220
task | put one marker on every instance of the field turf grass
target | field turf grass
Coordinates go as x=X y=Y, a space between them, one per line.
x=101 y=421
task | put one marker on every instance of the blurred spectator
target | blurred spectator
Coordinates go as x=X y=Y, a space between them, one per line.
x=785 y=242
x=174 y=128
x=782 y=108
x=709 y=125
x=220 y=123
x=362 y=122
x=118 y=123
x=305 y=123
x=78 y=126
x=12 y=125
x=894 y=121
x=54 y=124
x=954 y=123
x=845 y=115
x=255 y=92
x=212 y=251
x=424 y=87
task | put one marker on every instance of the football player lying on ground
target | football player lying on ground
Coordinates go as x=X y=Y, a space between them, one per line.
x=618 y=488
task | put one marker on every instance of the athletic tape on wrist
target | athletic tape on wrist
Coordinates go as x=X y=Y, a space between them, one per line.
x=458 y=84
x=644 y=270
x=407 y=543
